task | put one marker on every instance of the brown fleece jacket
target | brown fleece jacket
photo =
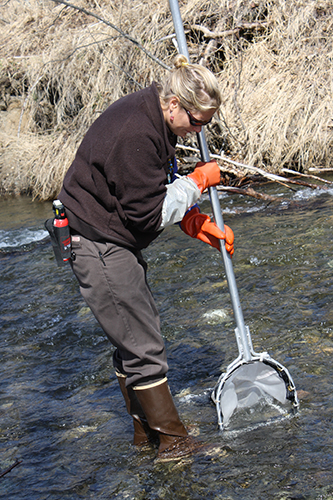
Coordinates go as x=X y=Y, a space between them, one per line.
x=115 y=187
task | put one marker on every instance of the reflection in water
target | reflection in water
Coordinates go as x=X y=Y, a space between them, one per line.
x=62 y=413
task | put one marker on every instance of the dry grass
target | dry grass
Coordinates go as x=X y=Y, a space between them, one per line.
x=60 y=68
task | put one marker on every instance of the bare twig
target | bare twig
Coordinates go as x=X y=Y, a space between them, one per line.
x=320 y=169
x=211 y=45
x=309 y=176
x=10 y=468
x=247 y=192
x=168 y=37
x=121 y=32
x=235 y=31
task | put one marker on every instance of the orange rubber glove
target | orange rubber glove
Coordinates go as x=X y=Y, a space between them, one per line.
x=198 y=225
x=206 y=175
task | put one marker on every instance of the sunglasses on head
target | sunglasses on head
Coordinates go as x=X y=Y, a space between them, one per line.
x=194 y=122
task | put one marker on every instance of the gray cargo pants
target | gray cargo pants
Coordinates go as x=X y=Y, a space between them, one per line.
x=113 y=283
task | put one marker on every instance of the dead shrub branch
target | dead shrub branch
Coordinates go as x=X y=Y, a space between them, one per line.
x=121 y=32
x=243 y=170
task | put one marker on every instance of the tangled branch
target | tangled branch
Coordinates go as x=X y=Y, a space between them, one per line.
x=121 y=32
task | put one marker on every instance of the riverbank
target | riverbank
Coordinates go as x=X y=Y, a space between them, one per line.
x=62 y=65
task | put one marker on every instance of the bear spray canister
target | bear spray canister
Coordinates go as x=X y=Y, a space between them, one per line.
x=61 y=230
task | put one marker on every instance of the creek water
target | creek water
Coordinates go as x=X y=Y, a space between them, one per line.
x=61 y=412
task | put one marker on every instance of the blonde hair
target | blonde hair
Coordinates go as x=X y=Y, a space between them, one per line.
x=194 y=85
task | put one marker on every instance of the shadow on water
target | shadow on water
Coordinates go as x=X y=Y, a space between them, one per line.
x=62 y=414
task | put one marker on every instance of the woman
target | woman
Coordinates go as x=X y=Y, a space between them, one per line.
x=120 y=193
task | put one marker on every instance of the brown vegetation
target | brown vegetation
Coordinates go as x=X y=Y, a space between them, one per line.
x=61 y=66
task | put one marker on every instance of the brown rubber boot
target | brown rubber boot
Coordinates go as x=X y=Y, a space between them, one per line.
x=142 y=432
x=162 y=416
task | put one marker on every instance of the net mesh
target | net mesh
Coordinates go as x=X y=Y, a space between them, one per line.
x=246 y=385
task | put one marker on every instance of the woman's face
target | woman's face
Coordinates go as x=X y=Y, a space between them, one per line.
x=182 y=122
